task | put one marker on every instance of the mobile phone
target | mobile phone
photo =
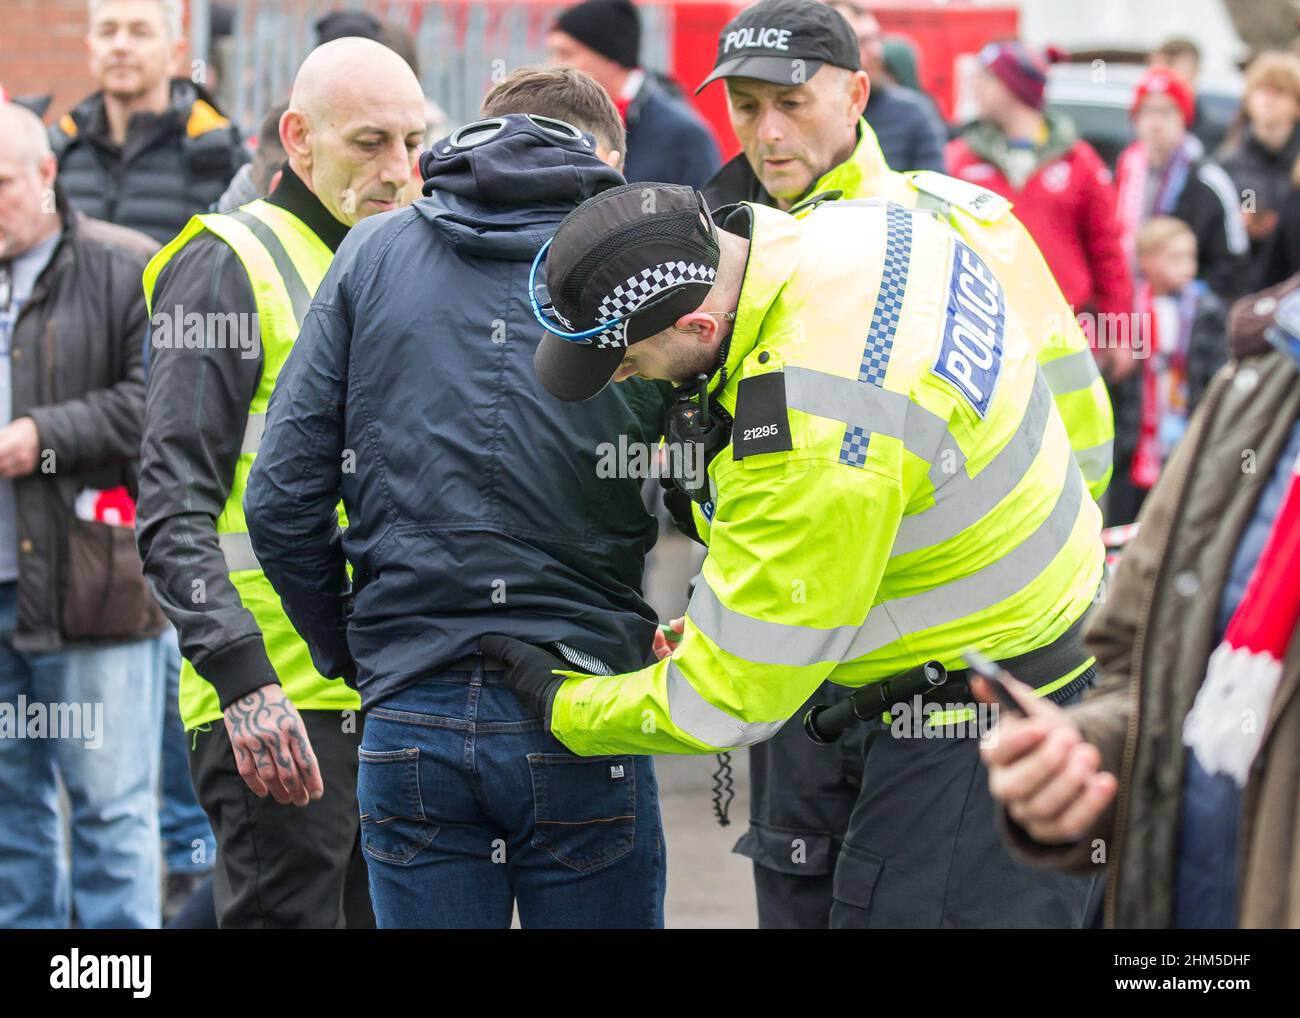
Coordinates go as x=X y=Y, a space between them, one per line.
x=995 y=676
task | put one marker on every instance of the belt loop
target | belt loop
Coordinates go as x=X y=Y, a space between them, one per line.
x=477 y=680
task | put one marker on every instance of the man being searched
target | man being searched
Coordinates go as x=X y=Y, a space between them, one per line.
x=227 y=299
x=476 y=504
x=897 y=488
x=796 y=97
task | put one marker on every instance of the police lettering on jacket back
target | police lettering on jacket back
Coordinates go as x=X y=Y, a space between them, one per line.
x=970 y=355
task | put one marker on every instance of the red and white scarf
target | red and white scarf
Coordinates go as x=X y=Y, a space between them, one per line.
x=1131 y=189
x=1164 y=382
x=1226 y=724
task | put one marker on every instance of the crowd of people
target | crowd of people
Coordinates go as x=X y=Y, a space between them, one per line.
x=211 y=639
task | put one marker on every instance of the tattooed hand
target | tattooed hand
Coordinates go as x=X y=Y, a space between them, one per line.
x=271 y=747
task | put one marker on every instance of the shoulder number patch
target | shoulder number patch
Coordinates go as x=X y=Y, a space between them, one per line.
x=970 y=356
x=979 y=202
x=762 y=422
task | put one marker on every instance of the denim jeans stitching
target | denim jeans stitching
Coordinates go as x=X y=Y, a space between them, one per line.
x=625 y=844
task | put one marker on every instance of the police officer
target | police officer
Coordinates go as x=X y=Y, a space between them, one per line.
x=898 y=486
x=227 y=297
x=796 y=97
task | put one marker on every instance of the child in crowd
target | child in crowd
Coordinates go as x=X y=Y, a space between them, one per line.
x=1180 y=345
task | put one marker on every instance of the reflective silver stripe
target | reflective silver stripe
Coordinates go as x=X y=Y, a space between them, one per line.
x=238 y=552
x=711 y=725
x=253 y=433
x=1095 y=461
x=965 y=499
x=762 y=642
x=299 y=296
x=877 y=410
x=980 y=590
x=797 y=646
x=1072 y=372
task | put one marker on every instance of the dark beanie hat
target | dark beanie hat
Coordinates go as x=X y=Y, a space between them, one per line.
x=610 y=27
x=344 y=24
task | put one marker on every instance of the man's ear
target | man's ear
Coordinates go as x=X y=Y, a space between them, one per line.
x=699 y=324
x=612 y=158
x=48 y=171
x=293 y=135
x=859 y=93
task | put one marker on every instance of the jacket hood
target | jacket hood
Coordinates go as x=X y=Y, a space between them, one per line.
x=988 y=142
x=502 y=197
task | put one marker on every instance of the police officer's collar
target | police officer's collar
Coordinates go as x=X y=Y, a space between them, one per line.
x=292 y=195
x=863 y=174
x=773 y=259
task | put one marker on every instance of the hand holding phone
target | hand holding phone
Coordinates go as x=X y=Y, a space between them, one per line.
x=994 y=677
x=1041 y=769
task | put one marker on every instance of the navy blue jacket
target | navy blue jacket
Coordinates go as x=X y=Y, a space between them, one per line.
x=474 y=500
x=908 y=127
x=667 y=141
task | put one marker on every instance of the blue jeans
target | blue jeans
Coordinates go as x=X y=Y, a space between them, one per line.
x=187 y=839
x=468 y=807
x=101 y=737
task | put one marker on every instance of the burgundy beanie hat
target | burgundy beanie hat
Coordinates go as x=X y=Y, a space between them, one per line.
x=1023 y=72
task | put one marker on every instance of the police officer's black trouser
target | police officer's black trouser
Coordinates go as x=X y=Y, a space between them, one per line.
x=801 y=797
x=919 y=847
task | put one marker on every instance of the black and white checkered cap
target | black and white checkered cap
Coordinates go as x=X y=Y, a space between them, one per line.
x=648 y=251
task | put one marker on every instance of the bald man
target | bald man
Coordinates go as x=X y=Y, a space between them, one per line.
x=274 y=756
x=76 y=618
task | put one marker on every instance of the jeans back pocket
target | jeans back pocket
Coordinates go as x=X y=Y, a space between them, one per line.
x=585 y=808
x=393 y=826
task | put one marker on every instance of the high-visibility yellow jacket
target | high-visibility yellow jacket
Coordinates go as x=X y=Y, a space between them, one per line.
x=899 y=487
x=985 y=221
x=285 y=262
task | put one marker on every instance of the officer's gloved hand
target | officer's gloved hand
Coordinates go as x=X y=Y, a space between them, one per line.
x=530 y=674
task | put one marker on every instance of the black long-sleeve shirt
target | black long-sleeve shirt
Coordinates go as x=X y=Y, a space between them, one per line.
x=196 y=409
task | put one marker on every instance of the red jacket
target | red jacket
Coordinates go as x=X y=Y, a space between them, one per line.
x=1068 y=206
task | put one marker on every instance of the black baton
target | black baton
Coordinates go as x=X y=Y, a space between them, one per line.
x=826 y=723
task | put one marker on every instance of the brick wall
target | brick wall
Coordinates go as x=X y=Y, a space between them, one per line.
x=43 y=50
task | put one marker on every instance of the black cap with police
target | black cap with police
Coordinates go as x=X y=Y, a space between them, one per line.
x=784 y=42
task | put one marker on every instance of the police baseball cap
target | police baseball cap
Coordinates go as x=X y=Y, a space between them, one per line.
x=784 y=42
x=622 y=267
